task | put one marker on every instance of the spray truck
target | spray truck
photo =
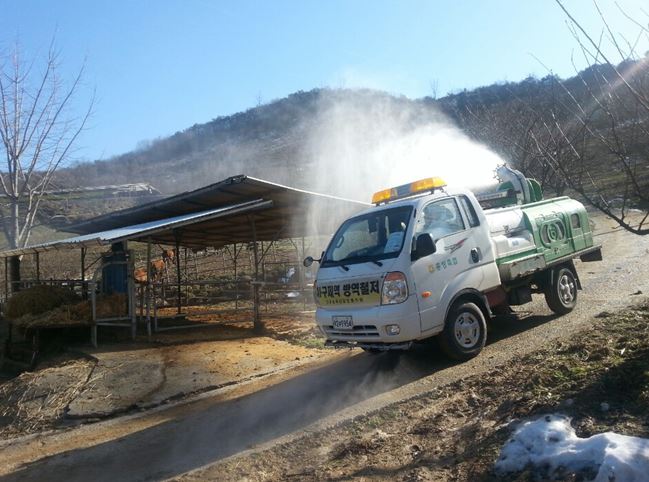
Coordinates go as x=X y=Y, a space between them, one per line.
x=433 y=260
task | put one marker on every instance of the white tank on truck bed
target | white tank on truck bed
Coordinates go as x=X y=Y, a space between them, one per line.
x=508 y=231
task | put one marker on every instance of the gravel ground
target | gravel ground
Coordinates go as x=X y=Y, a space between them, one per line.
x=354 y=384
x=456 y=432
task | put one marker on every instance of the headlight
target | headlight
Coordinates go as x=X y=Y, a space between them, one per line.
x=395 y=288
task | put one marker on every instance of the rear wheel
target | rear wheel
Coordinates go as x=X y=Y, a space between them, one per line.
x=465 y=331
x=561 y=293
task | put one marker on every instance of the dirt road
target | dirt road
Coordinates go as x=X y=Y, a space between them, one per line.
x=193 y=436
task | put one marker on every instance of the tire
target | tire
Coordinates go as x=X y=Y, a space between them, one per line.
x=465 y=331
x=561 y=293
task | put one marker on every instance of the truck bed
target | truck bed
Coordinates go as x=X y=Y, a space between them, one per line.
x=521 y=267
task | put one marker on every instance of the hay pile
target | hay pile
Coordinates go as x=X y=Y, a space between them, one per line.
x=112 y=305
x=66 y=315
x=38 y=401
x=50 y=306
x=37 y=300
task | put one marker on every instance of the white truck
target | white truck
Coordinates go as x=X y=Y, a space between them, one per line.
x=428 y=260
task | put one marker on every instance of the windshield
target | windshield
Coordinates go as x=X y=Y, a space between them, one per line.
x=371 y=237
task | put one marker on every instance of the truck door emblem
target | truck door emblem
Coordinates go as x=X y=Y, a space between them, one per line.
x=452 y=248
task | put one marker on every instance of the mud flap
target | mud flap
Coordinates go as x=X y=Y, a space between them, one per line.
x=570 y=265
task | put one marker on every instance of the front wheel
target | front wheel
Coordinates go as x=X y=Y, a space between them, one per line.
x=561 y=293
x=465 y=331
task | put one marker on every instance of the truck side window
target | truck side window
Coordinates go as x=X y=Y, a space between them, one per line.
x=574 y=220
x=440 y=218
x=469 y=211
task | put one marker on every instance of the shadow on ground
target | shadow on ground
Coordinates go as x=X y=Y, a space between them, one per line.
x=226 y=428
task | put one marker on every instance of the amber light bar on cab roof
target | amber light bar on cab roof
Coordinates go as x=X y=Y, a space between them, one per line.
x=410 y=189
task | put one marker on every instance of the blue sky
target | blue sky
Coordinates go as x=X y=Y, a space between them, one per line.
x=161 y=66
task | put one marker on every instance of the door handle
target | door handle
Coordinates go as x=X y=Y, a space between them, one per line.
x=475 y=255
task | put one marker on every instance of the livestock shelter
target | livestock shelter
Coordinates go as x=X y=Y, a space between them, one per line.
x=237 y=212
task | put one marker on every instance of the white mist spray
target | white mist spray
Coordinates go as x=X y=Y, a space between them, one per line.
x=361 y=145
x=364 y=141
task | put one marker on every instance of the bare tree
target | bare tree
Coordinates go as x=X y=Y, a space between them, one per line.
x=37 y=131
x=512 y=125
x=609 y=106
x=589 y=134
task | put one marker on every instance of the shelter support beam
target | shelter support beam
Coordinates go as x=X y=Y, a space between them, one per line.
x=258 y=325
x=186 y=264
x=84 y=288
x=177 y=237
x=130 y=284
x=14 y=270
x=6 y=279
x=236 y=281
x=235 y=257
x=301 y=267
x=93 y=303
x=148 y=288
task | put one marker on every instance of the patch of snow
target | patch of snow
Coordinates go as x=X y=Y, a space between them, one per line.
x=550 y=446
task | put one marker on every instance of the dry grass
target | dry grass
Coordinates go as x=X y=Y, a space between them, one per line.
x=456 y=432
x=37 y=300
x=75 y=314
x=37 y=401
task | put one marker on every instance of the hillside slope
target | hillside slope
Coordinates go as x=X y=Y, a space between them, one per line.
x=313 y=139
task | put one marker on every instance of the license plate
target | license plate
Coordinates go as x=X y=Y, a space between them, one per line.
x=342 y=322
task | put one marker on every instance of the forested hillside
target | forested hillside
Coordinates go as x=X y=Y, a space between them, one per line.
x=272 y=141
x=567 y=133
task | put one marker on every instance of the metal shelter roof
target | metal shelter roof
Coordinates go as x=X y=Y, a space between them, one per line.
x=236 y=210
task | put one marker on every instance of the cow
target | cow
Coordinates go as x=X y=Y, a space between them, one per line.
x=168 y=255
x=158 y=268
x=140 y=275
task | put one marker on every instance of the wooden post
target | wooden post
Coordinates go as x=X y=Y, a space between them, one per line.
x=148 y=288
x=38 y=267
x=301 y=267
x=155 y=312
x=263 y=261
x=14 y=268
x=258 y=325
x=6 y=279
x=130 y=283
x=177 y=235
x=186 y=277
x=236 y=281
x=93 y=303
x=84 y=288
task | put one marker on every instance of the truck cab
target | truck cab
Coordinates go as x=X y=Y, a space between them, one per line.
x=391 y=273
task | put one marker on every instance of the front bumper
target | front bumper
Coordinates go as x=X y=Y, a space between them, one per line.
x=370 y=323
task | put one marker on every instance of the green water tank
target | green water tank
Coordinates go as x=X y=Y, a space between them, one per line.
x=560 y=227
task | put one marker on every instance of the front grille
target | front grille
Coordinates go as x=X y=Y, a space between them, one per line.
x=359 y=331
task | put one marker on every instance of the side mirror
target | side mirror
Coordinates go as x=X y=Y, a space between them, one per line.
x=424 y=246
x=308 y=261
